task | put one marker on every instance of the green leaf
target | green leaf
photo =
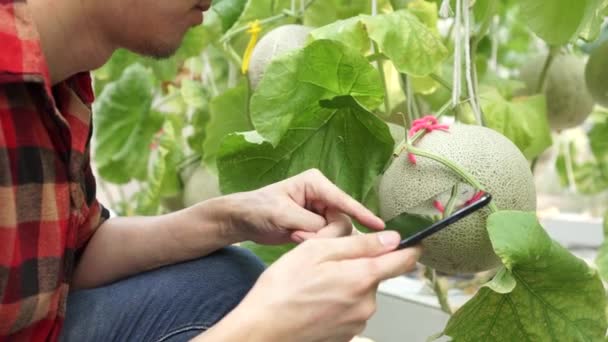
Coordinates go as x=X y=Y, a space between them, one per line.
x=412 y=47
x=351 y=32
x=558 y=297
x=426 y=12
x=125 y=126
x=228 y=115
x=199 y=122
x=163 y=179
x=325 y=12
x=296 y=82
x=228 y=11
x=557 y=21
x=194 y=94
x=268 y=254
x=346 y=142
x=602 y=257
x=522 y=120
x=593 y=25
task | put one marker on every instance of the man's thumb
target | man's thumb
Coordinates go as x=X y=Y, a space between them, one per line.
x=359 y=246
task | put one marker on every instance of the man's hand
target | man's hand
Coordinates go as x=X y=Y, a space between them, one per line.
x=323 y=290
x=295 y=210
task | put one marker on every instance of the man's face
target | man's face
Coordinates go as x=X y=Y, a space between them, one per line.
x=151 y=27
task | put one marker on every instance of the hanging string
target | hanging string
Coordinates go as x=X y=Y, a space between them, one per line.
x=444 y=9
x=457 y=75
x=466 y=15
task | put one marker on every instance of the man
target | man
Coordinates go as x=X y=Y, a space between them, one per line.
x=67 y=272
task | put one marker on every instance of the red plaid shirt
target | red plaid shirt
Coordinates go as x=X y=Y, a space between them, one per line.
x=48 y=209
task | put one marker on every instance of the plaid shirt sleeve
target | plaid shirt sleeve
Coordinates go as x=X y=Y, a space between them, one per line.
x=48 y=209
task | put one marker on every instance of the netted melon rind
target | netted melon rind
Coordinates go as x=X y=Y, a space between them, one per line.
x=492 y=159
x=569 y=102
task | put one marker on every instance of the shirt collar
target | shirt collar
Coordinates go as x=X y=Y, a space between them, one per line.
x=21 y=57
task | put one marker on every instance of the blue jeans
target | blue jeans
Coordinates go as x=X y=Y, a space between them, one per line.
x=173 y=303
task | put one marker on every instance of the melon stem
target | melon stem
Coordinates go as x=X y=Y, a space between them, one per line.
x=449 y=208
x=439 y=290
x=452 y=166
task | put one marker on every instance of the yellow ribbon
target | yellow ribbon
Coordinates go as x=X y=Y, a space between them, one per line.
x=254 y=30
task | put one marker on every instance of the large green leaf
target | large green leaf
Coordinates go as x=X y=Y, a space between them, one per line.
x=557 y=21
x=412 y=47
x=125 y=125
x=522 y=120
x=557 y=297
x=602 y=257
x=228 y=115
x=347 y=143
x=228 y=11
x=295 y=83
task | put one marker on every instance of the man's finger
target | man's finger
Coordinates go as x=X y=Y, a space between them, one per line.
x=298 y=218
x=323 y=189
x=394 y=264
x=360 y=246
x=339 y=225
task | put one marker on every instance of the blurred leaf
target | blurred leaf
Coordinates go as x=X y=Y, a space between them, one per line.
x=113 y=69
x=602 y=257
x=194 y=94
x=401 y=36
x=229 y=114
x=557 y=22
x=325 y=12
x=522 y=120
x=426 y=12
x=593 y=24
x=199 y=121
x=589 y=178
x=163 y=179
x=552 y=287
x=598 y=137
x=228 y=11
x=125 y=126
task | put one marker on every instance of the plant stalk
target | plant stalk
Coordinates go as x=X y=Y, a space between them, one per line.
x=545 y=71
x=449 y=208
x=439 y=290
x=452 y=166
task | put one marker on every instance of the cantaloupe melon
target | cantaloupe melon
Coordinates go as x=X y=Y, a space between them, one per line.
x=596 y=74
x=492 y=159
x=275 y=43
x=569 y=102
